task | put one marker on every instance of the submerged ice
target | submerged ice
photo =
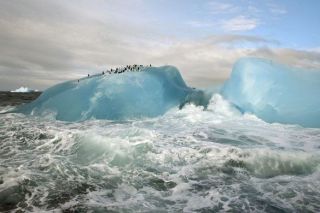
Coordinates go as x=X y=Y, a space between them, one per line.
x=128 y=95
x=275 y=92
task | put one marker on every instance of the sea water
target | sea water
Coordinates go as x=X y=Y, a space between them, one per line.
x=190 y=160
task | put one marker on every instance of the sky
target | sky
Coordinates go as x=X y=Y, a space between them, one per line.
x=45 y=42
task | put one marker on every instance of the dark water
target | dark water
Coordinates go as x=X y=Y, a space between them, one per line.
x=185 y=161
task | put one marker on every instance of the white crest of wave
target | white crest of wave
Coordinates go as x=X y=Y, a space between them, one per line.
x=24 y=89
x=218 y=110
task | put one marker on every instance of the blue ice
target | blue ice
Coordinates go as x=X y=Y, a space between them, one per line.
x=128 y=95
x=275 y=92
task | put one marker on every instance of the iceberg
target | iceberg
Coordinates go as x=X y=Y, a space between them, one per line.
x=127 y=95
x=275 y=92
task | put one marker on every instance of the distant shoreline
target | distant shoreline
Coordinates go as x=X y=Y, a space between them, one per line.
x=8 y=98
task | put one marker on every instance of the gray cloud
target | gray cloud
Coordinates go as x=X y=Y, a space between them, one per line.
x=44 y=42
x=298 y=58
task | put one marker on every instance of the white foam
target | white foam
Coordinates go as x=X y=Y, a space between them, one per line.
x=185 y=160
x=24 y=89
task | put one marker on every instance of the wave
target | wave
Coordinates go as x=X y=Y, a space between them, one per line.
x=217 y=159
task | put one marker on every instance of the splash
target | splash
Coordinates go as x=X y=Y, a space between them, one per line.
x=24 y=89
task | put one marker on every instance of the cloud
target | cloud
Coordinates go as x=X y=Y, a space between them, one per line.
x=297 y=58
x=205 y=61
x=253 y=10
x=240 y=23
x=317 y=49
x=216 y=7
x=43 y=43
x=277 y=9
x=44 y=47
x=238 y=38
x=200 y=24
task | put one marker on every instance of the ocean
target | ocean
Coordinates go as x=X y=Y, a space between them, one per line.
x=188 y=160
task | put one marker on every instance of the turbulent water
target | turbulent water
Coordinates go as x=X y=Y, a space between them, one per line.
x=189 y=160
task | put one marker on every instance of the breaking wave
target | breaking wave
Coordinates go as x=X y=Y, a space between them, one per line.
x=192 y=159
